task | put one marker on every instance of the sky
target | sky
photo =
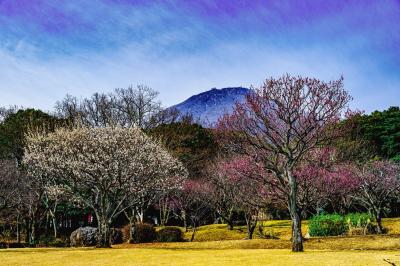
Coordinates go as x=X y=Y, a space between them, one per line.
x=49 y=48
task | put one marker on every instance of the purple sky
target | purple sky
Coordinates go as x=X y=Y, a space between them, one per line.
x=49 y=48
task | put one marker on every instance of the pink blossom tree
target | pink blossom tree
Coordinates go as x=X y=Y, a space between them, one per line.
x=379 y=182
x=193 y=204
x=243 y=180
x=279 y=123
x=324 y=181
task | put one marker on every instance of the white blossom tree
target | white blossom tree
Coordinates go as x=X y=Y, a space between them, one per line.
x=103 y=168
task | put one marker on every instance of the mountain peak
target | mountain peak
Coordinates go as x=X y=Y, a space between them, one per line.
x=208 y=106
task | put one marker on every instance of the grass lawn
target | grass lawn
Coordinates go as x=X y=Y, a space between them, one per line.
x=150 y=256
x=231 y=249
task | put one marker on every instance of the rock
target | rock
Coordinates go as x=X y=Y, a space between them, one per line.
x=84 y=237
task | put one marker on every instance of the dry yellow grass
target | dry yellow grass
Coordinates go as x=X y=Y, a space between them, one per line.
x=232 y=250
x=148 y=256
x=327 y=243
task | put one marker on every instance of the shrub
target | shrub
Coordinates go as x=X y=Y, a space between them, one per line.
x=44 y=241
x=266 y=235
x=57 y=243
x=144 y=233
x=170 y=234
x=116 y=236
x=327 y=225
x=359 y=223
x=358 y=219
x=16 y=245
x=126 y=232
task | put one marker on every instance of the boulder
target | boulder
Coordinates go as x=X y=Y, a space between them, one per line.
x=84 y=237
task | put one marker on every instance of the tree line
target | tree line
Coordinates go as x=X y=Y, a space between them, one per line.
x=291 y=149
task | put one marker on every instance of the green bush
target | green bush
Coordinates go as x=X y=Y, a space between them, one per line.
x=57 y=243
x=327 y=225
x=144 y=233
x=358 y=219
x=359 y=223
x=170 y=234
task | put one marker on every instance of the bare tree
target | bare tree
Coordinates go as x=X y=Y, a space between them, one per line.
x=281 y=122
x=6 y=111
x=18 y=200
x=129 y=107
x=9 y=177
x=138 y=106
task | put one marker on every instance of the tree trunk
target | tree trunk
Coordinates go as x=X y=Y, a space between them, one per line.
x=251 y=225
x=28 y=231
x=140 y=216
x=32 y=237
x=18 y=233
x=131 y=230
x=194 y=230
x=230 y=220
x=55 y=226
x=230 y=225
x=164 y=212
x=297 y=238
x=104 y=234
x=379 y=227
x=184 y=218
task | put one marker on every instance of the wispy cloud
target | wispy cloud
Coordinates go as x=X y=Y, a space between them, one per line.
x=49 y=48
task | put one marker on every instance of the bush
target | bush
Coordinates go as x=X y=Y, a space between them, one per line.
x=359 y=223
x=126 y=232
x=16 y=245
x=116 y=236
x=170 y=234
x=57 y=243
x=327 y=225
x=144 y=233
x=358 y=219
x=266 y=235
x=44 y=241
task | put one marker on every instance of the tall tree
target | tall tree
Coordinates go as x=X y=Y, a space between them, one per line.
x=17 y=124
x=192 y=144
x=102 y=168
x=369 y=136
x=281 y=122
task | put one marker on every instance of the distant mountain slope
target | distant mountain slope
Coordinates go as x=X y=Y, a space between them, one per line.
x=208 y=106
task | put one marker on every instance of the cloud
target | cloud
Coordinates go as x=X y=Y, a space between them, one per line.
x=185 y=47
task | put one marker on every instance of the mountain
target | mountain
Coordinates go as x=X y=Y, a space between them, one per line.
x=208 y=106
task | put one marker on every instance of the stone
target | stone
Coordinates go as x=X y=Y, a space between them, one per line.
x=84 y=237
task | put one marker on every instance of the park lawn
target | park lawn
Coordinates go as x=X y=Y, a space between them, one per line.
x=151 y=256
x=278 y=228
x=230 y=249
